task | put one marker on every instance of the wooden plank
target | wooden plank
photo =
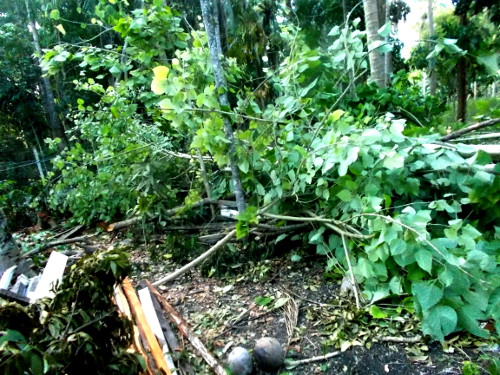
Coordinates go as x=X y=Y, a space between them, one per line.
x=144 y=328
x=52 y=274
x=183 y=327
x=22 y=300
x=7 y=277
x=123 y=306
x=33 y=283
x=152 y=318
x=166 y=327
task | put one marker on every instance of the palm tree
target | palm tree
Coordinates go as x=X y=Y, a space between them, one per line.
x=377 y=63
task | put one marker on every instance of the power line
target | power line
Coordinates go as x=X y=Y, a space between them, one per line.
x=25 y=164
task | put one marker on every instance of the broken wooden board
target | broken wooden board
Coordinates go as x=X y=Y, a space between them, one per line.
x=144 y=327
x=152 y=318
x=7 y=277
x=184 y=329
x=51 y=276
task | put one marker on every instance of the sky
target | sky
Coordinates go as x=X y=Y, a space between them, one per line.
x=409 y=31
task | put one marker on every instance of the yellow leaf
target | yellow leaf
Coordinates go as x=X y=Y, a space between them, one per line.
x=61 y=29
x=160 y=72
x=157 y=86
x=345 y=345
x=337 y=114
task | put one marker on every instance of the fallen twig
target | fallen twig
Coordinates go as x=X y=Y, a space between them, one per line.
x=201 y=258
x=313 y=359
x=469 y=129
x=183 y=327
x=68 y=233
x=351 y=273
x=84 y=239
x=334 y=223
x=304 y=299
x=405 y=340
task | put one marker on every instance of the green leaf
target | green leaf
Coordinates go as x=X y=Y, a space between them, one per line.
x=439 y=322
x=394 y=160
x=244 y=166
x=281 y=237
x=334 y=31
x=424 y=259
x=377 y=313
x=468 y=317
x=337 y=114
x=490 y=62
x=263 y=301
x=385 y=30
x=345 y=195
x=54 y=14
x=427 y=293
x=445 y=277
x=12 y=336
x=316 y=235
x=36 y=363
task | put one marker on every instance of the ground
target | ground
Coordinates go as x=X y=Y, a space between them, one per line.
x=296 y=304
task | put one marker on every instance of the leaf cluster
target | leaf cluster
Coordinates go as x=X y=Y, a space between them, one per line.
x=80 y=330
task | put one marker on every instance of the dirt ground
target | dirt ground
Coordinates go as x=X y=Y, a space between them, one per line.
x=296 y=304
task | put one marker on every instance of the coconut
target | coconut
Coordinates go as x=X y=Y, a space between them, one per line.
x=268 y=354
x=240 y=362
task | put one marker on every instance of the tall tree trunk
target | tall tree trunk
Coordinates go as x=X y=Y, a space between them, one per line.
x=432 y=61
x=350 y=72
x=388 y=54
x=9 y=252
x=211 y=21
x=50 y=105
x=462 y=80
x=377 y=68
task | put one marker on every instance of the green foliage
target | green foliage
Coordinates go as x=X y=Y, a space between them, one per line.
x=120 y=161
x=414 y=217
x=18 y=203
x=120 y=167
x=477 y=42
x=402 y=98
x=79 y=329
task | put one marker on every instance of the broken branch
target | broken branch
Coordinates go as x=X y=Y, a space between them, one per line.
x=469 y=129
x=197 y=261
x=183 y=327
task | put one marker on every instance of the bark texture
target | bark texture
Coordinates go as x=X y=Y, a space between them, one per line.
x=462 y=80
x=211 y=22
x=377 y=65
x=49 y=103
x=432 y=62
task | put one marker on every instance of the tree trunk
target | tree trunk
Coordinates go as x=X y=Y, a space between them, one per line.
x=432 y=62
x=462 y=80
x=211 y=21
x=9 y=252
x=377 y=69
x=50 y=107
x=388 y=55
